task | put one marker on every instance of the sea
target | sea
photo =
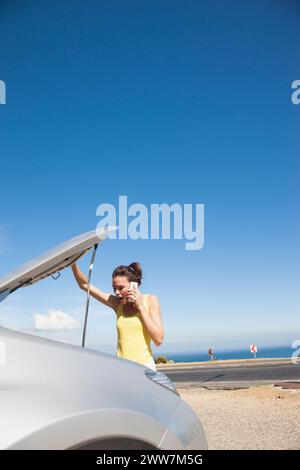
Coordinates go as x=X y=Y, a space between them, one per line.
x=276 y=352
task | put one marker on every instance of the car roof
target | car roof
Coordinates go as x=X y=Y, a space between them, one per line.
x=52 y=261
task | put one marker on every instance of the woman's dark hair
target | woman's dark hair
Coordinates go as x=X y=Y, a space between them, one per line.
x=133 y=272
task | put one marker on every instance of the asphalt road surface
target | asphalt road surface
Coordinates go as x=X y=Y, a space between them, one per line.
x=274 y=372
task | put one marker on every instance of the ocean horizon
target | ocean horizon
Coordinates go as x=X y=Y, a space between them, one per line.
x=201 y=356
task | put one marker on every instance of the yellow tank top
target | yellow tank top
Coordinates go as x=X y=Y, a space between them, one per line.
x=134 y=340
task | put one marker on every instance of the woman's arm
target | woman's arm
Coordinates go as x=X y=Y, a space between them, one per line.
x=152 y=319
x=107 y=299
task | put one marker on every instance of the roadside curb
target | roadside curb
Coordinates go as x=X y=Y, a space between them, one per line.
x=217 y=365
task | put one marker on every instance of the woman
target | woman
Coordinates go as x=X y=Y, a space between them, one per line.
x=138 y=315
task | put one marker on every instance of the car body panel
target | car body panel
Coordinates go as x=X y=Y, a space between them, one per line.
x=81 y=428
x=184 y=430
x=51 y=261
x=44 y=383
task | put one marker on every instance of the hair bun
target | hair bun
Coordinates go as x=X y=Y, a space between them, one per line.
x=136 y=269
x=133 y=272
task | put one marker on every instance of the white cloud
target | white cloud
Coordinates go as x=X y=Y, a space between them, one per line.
x=55 y=320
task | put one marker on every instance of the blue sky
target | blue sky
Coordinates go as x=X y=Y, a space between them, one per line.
x=165 y=102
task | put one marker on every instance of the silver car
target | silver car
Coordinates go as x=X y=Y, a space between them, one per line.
x=59 y=396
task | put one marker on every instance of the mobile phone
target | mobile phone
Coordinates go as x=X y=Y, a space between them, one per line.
x=132 y=285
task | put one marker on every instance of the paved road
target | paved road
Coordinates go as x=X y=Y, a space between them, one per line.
x=275 y=372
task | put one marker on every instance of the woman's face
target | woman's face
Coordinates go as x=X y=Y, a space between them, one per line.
x=120 y=286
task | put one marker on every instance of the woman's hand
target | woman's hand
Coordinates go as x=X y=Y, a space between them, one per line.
x=134 y=296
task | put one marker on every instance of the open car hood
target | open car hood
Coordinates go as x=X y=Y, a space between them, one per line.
x=52 y=261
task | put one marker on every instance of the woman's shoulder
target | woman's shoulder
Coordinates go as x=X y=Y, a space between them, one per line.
x=151 y=297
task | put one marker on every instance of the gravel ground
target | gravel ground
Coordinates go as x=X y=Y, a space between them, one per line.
x=264 y=417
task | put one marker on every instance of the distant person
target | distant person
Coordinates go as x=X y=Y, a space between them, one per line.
x=138 y=317
x=211 y=354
